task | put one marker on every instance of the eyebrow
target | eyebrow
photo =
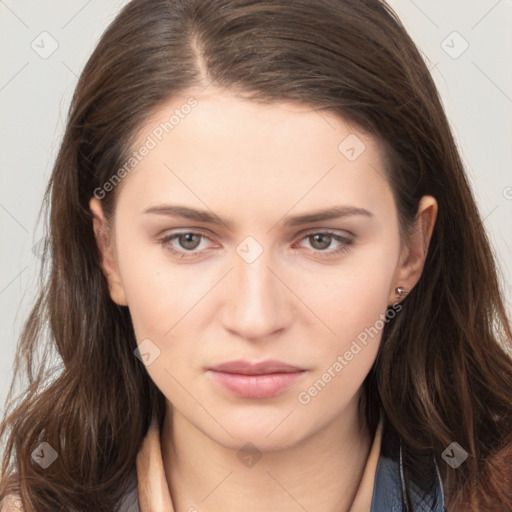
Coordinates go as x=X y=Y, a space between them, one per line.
x=210 y=217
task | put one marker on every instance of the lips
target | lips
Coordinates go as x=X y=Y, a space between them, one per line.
x=255 y=380
x=264 y=367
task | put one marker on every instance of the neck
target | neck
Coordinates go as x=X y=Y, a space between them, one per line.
x=321 y=472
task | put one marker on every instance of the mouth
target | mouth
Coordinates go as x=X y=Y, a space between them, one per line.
x=256 y=380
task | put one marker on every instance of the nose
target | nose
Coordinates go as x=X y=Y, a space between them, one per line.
x=257 y=303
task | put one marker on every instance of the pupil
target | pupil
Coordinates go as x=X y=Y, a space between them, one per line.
x=320 y=237
x=189 y=240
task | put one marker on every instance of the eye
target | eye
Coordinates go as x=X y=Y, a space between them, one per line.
x=185 y=244
x=187 y=240
x=320 y=241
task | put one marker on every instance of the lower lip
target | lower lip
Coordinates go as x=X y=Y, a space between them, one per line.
x=256 y=386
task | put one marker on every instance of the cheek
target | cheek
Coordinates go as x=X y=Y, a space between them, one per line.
x=355 y=295
x=355 y=309
x=159 y=292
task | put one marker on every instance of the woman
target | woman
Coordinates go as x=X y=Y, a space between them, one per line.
x=269 y=286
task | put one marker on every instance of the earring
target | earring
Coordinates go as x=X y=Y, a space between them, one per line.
x=400 y=291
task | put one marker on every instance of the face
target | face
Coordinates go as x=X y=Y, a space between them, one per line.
x=256 y=277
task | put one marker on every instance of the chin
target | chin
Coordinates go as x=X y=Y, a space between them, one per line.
x=244 y=438
x=268 y=430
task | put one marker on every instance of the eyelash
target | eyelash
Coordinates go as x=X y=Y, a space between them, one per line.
x=345 y=241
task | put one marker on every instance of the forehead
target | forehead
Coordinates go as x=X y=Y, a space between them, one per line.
x=235 y=151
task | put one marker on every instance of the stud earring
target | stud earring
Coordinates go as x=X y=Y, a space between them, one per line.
x=400 y=291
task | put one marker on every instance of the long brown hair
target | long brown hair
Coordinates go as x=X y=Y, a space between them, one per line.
x=443 y=372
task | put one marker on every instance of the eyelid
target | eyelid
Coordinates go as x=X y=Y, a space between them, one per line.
x=335 y=231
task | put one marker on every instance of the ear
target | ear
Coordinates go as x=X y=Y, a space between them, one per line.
x=107 y=253
x=415 y=248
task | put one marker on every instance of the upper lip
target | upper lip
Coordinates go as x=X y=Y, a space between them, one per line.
x=261 y=368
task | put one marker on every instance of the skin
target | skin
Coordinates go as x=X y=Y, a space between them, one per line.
x=254 y=165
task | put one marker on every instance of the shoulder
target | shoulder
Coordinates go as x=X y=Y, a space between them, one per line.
x=11 y=503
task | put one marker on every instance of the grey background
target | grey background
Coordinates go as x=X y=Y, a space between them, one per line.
x=476 y=88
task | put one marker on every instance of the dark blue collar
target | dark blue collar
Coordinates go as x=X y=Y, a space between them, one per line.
x=405 y=480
